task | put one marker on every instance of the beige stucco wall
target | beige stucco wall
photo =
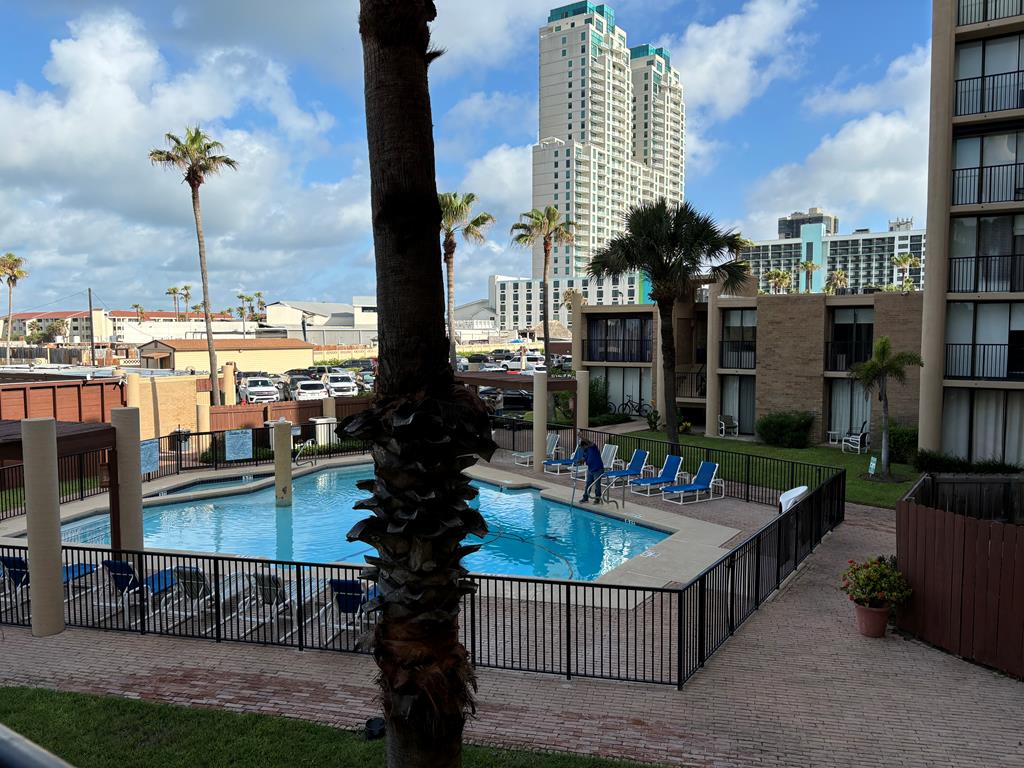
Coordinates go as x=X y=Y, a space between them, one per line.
x=166 y=404
x=271 y=361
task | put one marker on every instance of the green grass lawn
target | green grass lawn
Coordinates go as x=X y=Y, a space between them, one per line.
x=100 y=732
x=858 y=491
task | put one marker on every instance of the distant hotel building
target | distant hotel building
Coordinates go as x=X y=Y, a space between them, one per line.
x=516 y=300
x=789 y=226
x=865 y=256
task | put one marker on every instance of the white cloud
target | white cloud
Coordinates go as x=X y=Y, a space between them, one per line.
x=503 y=181
x=906 y=83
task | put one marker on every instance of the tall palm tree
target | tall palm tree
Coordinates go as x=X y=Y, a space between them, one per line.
x=11 y=272
x=196 y=156
x=547 y=227
x=837 y=280
x=904 y=262
x=140 y=312
x=197 y=308
x=779 y=280
x=457 y=216
x=876 y=373
x=424 y=427
x=261 y=305
x=675 y=246
x=173 y=292
x=809 y=268
x=186 y=297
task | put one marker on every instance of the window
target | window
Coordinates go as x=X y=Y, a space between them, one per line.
x=563 y=54
x=980 y=424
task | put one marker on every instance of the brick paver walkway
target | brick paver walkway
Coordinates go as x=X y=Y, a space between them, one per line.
x=796 y=687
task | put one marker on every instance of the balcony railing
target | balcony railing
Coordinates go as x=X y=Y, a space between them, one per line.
x=692 y=385
x=993 y=93
x=619 y=350
x=986 y=274
x=977 y=11
x=843 y=355
x=988 y=184
x=996 y=362
x=738 y=354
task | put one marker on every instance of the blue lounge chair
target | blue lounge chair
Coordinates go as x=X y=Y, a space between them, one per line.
x=702 y=488
x=127 y=585
x=558 y=466
x=648 y=486
x=16 y=578
x=634 y=469
x=346 y=609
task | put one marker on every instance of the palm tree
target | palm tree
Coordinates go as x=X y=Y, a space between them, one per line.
x=261 y=305
x=140 y=312
x=196 y=157
x=569 y=294
x=904 y=262
x=876 y=373
x=779 y=280
x=11 y=272
x=425 y=428
x=173 y=292
x=186 y=297
x=672 y=246
x=457 y=216
x=809 y=268
x=197 y=308
x=547 y=227
x=837 y=280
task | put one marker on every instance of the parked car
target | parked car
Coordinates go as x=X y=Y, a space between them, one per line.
x=514 y=400
x=461 y=364
x=500 y=354
x=341 y=384
x=258 y=389
x=287 y=385
x=531 y=362
x=308 y=389
x=366 y=379
x=358 y=364
x=318 y=371
x=491 y=368
x=566 y=362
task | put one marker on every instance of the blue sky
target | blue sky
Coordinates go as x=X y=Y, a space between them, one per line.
x=790 y=103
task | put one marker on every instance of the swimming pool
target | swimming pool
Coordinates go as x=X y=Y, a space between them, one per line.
x=205 y=485
x=528 y=535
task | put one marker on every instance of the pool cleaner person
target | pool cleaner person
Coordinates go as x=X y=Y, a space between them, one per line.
x=595 y=468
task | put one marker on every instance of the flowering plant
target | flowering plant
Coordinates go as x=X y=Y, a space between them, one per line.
x=876 y=583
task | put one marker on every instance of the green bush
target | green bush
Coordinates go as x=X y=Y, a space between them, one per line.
x=607 y=419
x=902 y=444
x=787 y=429
x=934 y=461
x=876 y=583
x=563 y=406
x=598 y=397
x=654 y=420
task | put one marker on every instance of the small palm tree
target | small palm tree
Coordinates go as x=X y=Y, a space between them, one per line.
x=197 y=308
x=779 y=279
x=173 y=292
x=547 y=227
x=196 y=156
x=904 y=262
x=186 y=297
x=675 y=247
x=261 y=305
x=457 y=216
x=140 y=312
x=809 y=268
x=876 y=373
x=11 y=272
x=837 y=280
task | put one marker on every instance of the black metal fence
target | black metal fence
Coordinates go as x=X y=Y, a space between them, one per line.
x=691 y=384
x=997 y=362
x=991 y=93
x=80 y=476
x=988 y=184
x=738 y=354
x=843 y=355
x=619 y=350
x=977 y=11
x=987 y=274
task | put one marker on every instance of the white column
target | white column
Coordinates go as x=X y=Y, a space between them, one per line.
x=540 y=420
x=202 y=411
x=283 y=463
x=42 y=519
x=230 y=393
x=129 y=475
x=582 y=399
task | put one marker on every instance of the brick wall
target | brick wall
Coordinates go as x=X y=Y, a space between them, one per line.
x=898 y=316
x=166 y=403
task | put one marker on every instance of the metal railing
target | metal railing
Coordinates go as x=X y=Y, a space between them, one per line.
x=619 y=350
x=988 y=184
x=985 y=497
x=738 y=354
x=843 y=355
x=999 y=362
x=986 y=274
x=991 y=93
x=79 y=475
x=18 y=752
x=691 y=384
x=977 y=11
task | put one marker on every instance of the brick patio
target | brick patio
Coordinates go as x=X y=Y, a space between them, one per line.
x=795 y=687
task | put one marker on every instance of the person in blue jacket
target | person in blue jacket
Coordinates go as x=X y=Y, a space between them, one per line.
x=595 y=469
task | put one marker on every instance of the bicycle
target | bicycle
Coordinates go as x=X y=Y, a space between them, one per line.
x=632 y=407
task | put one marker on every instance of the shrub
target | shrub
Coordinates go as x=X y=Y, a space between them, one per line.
x=902 y=444
x=654 y=420
x=598 y=397
x=684 y=426
x=934 y=461
x=563 y=407
x=787 y=429
x=606 y=419
x=876 y=583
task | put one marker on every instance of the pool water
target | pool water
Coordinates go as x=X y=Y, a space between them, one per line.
x=205 y=485
x=528 y=535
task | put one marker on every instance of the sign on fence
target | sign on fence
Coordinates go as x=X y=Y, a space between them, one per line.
x=150 y=451
x=238 y=444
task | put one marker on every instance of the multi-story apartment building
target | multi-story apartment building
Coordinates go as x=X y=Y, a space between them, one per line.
x=789 y=226
x=516 y=301
x=117 y=324
x=972 y=393
x=865 y=257
x=611 y=130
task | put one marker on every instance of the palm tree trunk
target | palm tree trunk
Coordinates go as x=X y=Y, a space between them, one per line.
x=425 y=429
x=10 y=318
x=449 y=265
x=544 y=306
x=884 y=397
x=214 y=385
x=668 y=368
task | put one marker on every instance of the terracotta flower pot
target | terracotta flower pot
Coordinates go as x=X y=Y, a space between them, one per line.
x=871 y=622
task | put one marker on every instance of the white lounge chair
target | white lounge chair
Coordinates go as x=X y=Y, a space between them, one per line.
x=860 y=443
x=608 y=460
x=727 y=426
x=525 y=458
x=791 y=497
x=703 y=487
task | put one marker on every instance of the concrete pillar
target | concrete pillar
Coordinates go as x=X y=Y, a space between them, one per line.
x=578 y=331
x=42 y=511
x=132 y=396
x=230 y=393
x=658 y=373
x=713 y=394
x=202 y=411
x=129 y=475
x=330 y=408
x=283 y=463
x=540 y=420
x=582 y=399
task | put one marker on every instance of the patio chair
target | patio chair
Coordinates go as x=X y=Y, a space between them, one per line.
x=790 y=497
x=702 y=488
x=608 y=461
x=634 y=469
x=15 y=578
x=860 y=443
x=127 y=585
x=727 y=426
x=558 y=466
x=273 y=596
x=648 y=486
x=345 y=611
x=525 y=458
x=194 y=590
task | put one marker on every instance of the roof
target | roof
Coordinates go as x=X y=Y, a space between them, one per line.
x=558 y=331
x=325 y=308
x=62 y=315
x=163 y=314
x=229 y=345
x=72 y=437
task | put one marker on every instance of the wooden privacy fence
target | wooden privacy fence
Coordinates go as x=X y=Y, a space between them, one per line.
x=968 y=581
x=244 y=416
x=82 y=401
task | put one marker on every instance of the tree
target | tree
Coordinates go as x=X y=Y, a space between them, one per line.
x=196 y=156
x=837 y=280
x=261 y=305
x=675 y=247
x=876 y=373
x=569 y=294
x=904 y=262
x=38 y=334
x=11 y=272
x=809 y=268
x=547 y=227
x=779 y=279
x=197 y=308
x=186 y=297
x=173 y=292
x=457 y=216
x=424 y=427
x=140 y=312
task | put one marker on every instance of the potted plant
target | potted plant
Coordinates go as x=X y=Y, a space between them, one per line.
x=875 y=587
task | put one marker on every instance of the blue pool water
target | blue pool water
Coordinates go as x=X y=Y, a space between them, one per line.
x=205 y=485
x=528 y=535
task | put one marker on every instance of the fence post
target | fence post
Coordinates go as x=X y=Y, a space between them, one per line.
x=81 y=476
x=177 y=453
x=300 y=609
x=757 y=572
x=732 y=593
x=568 y=635
x=796 y=535
x=701 y=623
x=679 y=640
x=778 y=551
x=216 y=597
x=213 y=448
x=792 y=475
x=472 y=623
x=746 y=479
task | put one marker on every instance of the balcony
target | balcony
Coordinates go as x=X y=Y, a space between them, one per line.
x=741 y=355
x=618 y=350
x=843 y=355
x=988 y=184
x=993 y=362
x=986 y=274
x=691 y=385
x=993 y=93
x=977 y=11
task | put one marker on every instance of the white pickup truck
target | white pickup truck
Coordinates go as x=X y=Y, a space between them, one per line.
x=258 y=390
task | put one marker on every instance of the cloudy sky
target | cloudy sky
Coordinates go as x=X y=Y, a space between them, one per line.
x=790 y=103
